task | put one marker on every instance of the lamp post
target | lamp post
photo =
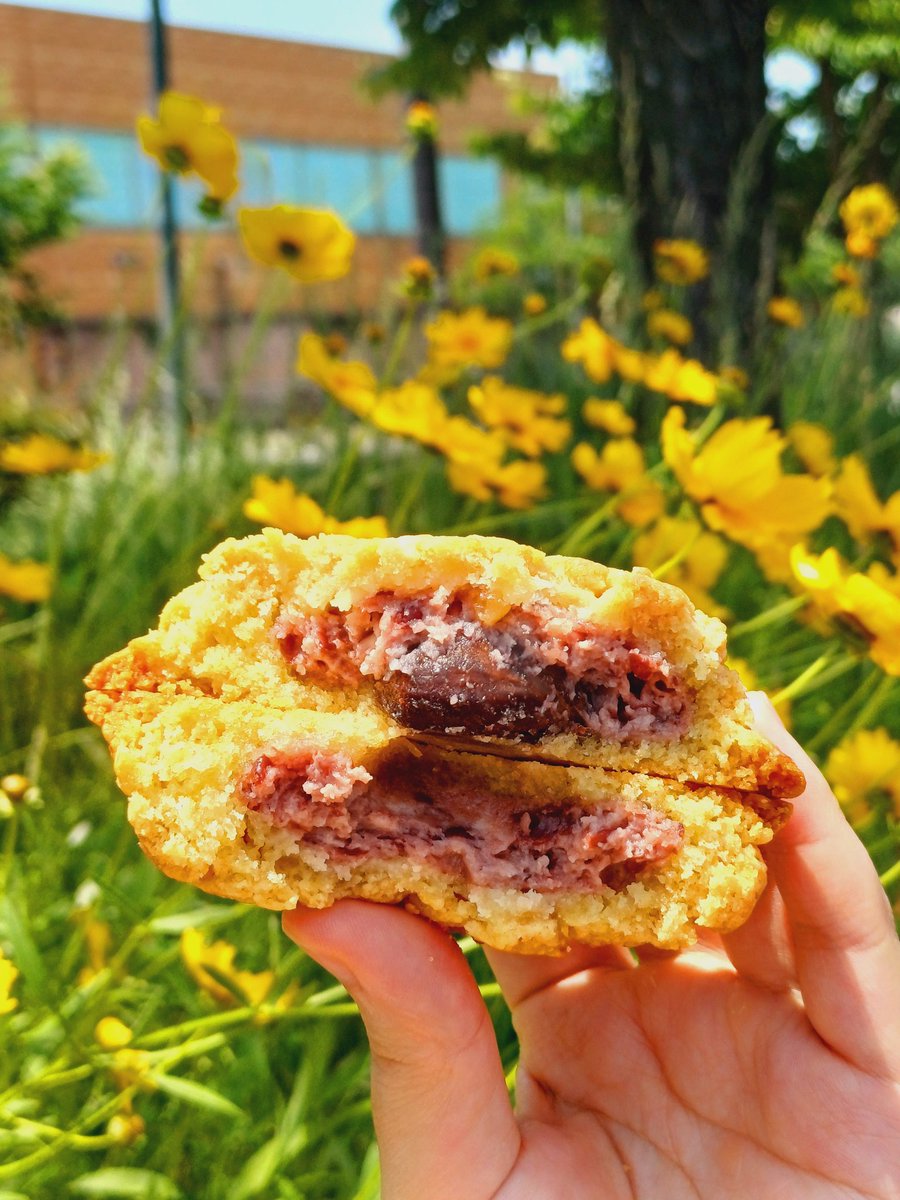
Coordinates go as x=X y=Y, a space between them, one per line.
x=171 y=319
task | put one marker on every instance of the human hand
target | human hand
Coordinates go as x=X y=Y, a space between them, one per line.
x=764 y=1062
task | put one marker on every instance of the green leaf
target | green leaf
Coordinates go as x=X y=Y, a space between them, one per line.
x=197 y=1094
x=197 y=918
x=126 y=1182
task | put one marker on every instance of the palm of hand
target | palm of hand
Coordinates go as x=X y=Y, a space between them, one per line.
x=680 y=1079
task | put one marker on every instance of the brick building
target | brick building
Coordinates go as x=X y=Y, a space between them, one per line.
x=308 y=135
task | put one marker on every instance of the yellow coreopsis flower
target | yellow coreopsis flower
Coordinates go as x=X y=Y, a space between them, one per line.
x=413 y=410
x=188 y=137
x=8 y=975
x=864 y=764
x=737 y=480
x=850 y=300
x=620 y=467
x=198 y=956
x=869 y=602
x=860 y=245
x=131 y=1068
x=353 y=384
x=530 y=420
x=468 y=445
x=680 y=378
x=534 y=304
x=310 y=244
x=858 y=505
x=814 y=446
x=421 y=120
x=276 y=502
x=869 y=210
x=593 y=347
x=785 y=310
x=609 y=415
x=845 y=273
x=518 y=484
x=112 y=1034
x=700 y=565
x=469 y=339
x=670 y=325
x=26 y=581
x=680 y=261
x=491 y=262
x=630 y=364
x=419 y=277
x=40 y=454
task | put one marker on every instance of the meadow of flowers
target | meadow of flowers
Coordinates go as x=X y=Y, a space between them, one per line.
x=160 y=1043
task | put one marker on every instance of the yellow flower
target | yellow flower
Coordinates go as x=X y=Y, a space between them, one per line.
x=418 y=277
x=97 y=936
x=670 y=325
x=700 y=565
x=858 y=505
x=652 y=299
x=412 y=410
x=125 y=1128
x=39 y=454
x=421 y=120
x=630 y=364
x=469 y=338
x=736 y=377
x=311 y=244
x=276 y=502
x=865 y=762
x=846 y=274
x=468 y=445
x=869 y=603
x=737 y=480
x=188 y=137
x=8 y=975
x=130 y=1068
x=784 y=310
x=850 y=300
x=353 y=384
x=518 y=484
x=25 y=581
x=529 y=420
x=680 y=261
x=681 y=378
x=608 y=415
x=869 y=210
x=199 y=957
x=112 y=1034
x=593 y=348
x=534 y=304
x=620 y=467
x=860 y=245
x=814 y=446
x=491 y=262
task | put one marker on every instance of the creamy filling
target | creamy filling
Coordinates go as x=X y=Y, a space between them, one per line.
x=439 y=669
x=423 y=807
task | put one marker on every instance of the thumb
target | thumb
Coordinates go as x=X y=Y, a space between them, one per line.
x=442 y=1114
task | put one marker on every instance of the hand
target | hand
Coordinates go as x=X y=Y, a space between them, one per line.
x=765 y=1063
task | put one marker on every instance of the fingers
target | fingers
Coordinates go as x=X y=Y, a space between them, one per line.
x=845 y=945
x=760 y=950
x=522 y=976
x=442 y=1113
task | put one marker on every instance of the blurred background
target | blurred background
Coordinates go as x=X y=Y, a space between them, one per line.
x=615 y=278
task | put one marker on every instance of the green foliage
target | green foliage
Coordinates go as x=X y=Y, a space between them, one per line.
x=38 y=195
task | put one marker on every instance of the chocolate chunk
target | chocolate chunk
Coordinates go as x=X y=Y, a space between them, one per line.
x=467 y=685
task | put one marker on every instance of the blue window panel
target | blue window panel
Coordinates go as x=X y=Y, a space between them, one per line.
x=344 y=180
x=271 y=172
x=470 y=193
x=118 y=198
x=395 y=205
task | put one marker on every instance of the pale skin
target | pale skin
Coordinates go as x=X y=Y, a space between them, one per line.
x=763 y=1063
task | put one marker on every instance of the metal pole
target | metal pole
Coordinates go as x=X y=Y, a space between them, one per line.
x=171 y=318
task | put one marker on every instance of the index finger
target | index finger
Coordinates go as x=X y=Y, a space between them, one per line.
x=846 y=950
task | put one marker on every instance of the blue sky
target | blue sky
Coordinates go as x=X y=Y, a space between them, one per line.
x=358 y=24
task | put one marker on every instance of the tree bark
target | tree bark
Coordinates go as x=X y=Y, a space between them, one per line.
x=696 y=146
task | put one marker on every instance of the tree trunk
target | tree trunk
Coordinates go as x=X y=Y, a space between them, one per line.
x=429 y=223
x=696 y=145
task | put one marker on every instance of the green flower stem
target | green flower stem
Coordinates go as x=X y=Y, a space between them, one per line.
x=837 y=723
x=349 y=459
x=580 y=536
x=891 y=875
x=526 y=328
x=275 y=291
x=398 y=345
x=78 y=1141
x=867 y=713
x=500 y=520
x=400 y=515
x=771 y=616
x=679 y=556
x=823 y=670
x=9 y=848
x=62 y=1143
